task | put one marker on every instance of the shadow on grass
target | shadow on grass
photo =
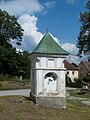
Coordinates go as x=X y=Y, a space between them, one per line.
x=28 y=98
x=81 y=93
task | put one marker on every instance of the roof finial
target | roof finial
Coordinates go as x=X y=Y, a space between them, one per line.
x=46 y=30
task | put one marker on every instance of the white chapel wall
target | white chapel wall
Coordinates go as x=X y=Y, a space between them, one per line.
x=48 y=62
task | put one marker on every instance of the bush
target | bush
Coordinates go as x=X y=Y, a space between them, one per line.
x=77 y=84
x=2 y=77
x=1 y=87
x=13 y=78
x=8 y=78
x=86 y=79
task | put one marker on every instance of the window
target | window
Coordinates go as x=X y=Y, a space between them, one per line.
x=68 y=72
x=81 y=68
x=51 y=62
x=73 y=73
x=37 y=60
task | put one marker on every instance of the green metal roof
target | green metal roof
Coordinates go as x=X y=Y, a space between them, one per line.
x=48 y=45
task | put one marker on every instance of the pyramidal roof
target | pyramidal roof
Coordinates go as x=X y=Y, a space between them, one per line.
x=48 y=45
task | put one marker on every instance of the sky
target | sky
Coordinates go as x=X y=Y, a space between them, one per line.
x=60 y=17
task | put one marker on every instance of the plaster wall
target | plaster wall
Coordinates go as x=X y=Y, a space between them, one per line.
x=38 y=83
x=45 y=90
x=50 y=62
x=73 y=74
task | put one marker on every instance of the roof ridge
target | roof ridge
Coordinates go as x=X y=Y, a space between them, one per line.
x=48 y=45
x=85 y=65
x=70 y=65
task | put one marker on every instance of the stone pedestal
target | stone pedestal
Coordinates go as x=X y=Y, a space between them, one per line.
x=49 y=101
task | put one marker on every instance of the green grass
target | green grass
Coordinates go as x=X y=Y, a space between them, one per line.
x=13 y=85
x=21 y=108
x=78 y=93
x=8 y=82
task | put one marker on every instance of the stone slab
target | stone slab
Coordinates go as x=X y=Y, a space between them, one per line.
x=51 y=101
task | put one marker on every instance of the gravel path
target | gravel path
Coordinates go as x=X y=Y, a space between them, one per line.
x=23 y=92
x=83 y=100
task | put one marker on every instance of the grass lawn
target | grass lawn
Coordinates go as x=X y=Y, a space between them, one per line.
x=21 y=108
x=12 y=85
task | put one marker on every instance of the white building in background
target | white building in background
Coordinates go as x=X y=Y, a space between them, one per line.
x=72 y=72
x=48 y=74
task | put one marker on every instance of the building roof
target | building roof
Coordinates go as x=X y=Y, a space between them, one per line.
x=70 y=66
x=86 y=65
x=48 y=45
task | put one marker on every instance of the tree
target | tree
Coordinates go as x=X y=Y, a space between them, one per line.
x=24 y=65
x=8 y=60
x=12 y=63
x=9 y=28
x=83 y=42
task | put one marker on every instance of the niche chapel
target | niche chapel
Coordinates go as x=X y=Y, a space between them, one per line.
x=48 y=73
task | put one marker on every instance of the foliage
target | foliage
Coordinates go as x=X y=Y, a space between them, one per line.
x=86 y=78
x=7 y=59
x=0 y=85
x=9 y=28
x=77 y=84
x=83 y=42
x=12 y=62
x=7 y=77
x=24 y=65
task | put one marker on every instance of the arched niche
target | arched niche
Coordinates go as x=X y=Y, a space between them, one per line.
x=50 y=82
